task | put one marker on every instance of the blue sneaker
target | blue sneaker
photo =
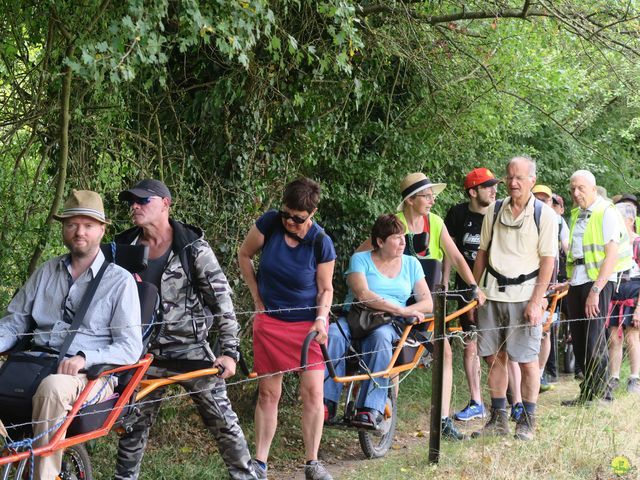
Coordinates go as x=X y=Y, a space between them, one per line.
x=517 y=410
x=471 y=411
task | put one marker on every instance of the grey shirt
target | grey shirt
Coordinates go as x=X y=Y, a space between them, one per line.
x=110 y=331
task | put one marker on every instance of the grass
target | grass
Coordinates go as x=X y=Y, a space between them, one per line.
x=571 y=443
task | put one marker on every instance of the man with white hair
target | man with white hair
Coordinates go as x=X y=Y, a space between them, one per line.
x=599 y=248
x=518 y=247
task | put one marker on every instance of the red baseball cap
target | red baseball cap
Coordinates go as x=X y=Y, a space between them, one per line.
x=480 y=176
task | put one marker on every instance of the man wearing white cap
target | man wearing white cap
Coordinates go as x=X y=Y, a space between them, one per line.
x=109 y=333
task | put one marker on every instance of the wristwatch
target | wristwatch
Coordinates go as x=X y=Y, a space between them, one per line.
x=596 y=289
x=235 y=354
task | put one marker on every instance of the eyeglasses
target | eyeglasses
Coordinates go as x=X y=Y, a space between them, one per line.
x=428 y=196
x=516 y=224
x=140 y=200
x=297 y=219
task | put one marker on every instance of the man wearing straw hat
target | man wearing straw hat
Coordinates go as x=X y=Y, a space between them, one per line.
x=109 y=333
x=518 y=247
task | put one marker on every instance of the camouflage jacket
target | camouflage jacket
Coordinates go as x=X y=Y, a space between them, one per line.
x=189 y=313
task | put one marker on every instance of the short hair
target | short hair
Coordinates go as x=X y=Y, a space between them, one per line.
x=527 y=158
x=302 y=194
x=384 y=227
x=586 y=174
x=627 y=210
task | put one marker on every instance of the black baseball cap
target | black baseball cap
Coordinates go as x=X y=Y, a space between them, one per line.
x=146 y=188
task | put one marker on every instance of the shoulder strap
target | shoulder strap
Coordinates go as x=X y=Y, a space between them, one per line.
x=82 y=310
x=496 y=211
x=271 y=228
x=427 y=223
x=537 y=212
x=317 y=245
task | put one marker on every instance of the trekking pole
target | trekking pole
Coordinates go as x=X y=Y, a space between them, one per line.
x=436 y=374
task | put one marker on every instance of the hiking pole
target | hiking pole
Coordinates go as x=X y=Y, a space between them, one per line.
x=436 y=374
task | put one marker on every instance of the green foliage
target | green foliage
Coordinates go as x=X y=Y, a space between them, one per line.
x=227 y=101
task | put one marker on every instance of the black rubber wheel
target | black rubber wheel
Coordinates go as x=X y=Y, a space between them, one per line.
x=569 y=363
x=376 y=444
x=76 y=464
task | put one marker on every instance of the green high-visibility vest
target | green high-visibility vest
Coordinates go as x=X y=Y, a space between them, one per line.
x=593 y=243
x=435 y=229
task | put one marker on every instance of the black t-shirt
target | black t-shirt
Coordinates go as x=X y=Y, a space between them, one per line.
x=155 y=268
x=464 y=226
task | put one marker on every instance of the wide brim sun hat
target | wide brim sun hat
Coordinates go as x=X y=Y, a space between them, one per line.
x=417 y=182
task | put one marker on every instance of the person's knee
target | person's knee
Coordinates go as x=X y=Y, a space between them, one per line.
x=381 y=336
x=312 y=395
x=53 y=387
x=268 y=395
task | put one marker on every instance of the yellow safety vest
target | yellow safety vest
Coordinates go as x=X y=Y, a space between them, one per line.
x=593 y=243
x=435 y=230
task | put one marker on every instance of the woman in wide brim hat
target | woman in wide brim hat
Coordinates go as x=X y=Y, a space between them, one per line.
x=428 y=240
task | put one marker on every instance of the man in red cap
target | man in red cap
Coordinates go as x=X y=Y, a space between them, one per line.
x=464 y=222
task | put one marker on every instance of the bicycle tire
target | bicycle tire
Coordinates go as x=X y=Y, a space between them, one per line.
x=376 y=444
x=76 y=464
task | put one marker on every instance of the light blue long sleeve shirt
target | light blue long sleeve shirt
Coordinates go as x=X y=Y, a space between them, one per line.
x=110 y=331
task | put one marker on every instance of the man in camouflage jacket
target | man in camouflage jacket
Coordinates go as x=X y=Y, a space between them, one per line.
x=195 y=296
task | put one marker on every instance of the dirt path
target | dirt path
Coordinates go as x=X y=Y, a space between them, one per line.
x=341 y=459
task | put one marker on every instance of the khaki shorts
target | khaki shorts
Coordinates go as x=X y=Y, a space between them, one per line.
x=502 y=327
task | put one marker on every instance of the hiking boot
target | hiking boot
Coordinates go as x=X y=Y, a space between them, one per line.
x=497 y=426
x=471 y=411
x=633 y=385
x=614 y=382
x=517 y=409
x=526 y=427
x=449 y=430
x=260 y=471
x=316 y=471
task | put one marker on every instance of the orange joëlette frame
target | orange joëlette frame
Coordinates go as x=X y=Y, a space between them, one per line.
x=60 y=443
x=393 y=370
x=148 y=385
x=553 y=304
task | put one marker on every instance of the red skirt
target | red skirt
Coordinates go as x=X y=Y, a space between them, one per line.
x=277 y=345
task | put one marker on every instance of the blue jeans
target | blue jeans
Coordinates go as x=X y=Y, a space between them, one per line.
x=376 y=350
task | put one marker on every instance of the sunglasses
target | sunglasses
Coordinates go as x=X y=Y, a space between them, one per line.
x=287 y=216
x=140 y=200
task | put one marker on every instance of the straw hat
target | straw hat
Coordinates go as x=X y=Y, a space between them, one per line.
x=416 y=182
x=83 y=203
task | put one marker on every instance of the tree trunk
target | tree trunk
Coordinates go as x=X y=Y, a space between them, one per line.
x=63 y=159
